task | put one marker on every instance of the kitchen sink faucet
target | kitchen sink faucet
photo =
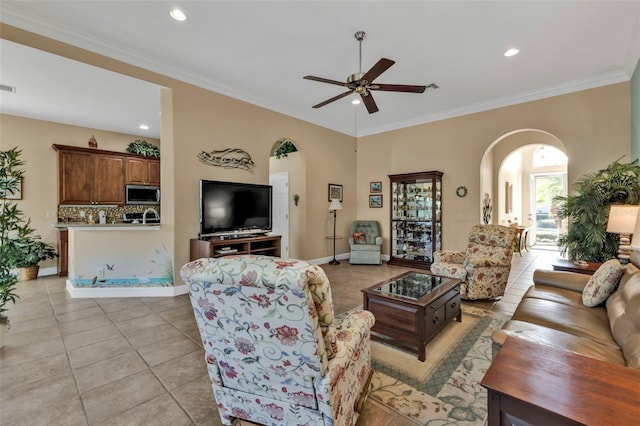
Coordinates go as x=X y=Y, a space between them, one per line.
x=144 y=215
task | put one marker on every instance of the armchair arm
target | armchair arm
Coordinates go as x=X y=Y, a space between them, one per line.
x=449 y=256
x=488 y=262
x=350 y=348
x=561 y=279
x=378 y=241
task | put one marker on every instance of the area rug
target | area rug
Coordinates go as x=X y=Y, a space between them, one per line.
x=445 y=388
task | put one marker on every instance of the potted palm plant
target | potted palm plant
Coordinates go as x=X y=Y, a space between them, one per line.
x=10 y=219
x=20 y=247
x=587 y=211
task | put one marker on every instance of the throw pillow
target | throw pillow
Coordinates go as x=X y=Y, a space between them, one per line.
x=359 y=238
x=602 y=283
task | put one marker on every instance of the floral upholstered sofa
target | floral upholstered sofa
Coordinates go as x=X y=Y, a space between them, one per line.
x=274 y=351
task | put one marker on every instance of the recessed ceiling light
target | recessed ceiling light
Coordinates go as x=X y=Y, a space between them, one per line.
x=144 y=127
x=178 y=15
x=356 y=101
x=511 y=52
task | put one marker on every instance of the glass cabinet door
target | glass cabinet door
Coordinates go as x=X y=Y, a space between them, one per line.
x=416 y=211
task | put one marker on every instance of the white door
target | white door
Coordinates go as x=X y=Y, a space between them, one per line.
x=280 y=184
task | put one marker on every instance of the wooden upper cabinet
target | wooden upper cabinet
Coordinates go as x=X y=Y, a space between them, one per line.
x=143 y=171
x=75 y=177
x=90 y=176
x=108 y=180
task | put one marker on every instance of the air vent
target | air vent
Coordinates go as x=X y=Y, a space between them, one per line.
x=5 y=88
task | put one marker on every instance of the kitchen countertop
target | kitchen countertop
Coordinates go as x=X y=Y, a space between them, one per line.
x=107 y=226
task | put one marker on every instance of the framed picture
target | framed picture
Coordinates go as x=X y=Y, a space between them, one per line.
x=375 y=186
x=335 y=191
x=375 y=201
x=16 y=195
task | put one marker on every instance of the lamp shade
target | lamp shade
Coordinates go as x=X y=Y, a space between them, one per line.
x=335 y=205
x=635 y=242
x=622 y=219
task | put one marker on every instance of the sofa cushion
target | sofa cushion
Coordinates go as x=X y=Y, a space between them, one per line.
x=602 y=283
x=623 y=309
x=562 y=340
x=589 y=323
x=564 y=296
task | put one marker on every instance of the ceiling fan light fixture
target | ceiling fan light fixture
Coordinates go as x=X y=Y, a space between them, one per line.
x=356 y=101
x=511 y=52
x=178 y=15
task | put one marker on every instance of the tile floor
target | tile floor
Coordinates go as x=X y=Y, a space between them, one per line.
x=139 y=361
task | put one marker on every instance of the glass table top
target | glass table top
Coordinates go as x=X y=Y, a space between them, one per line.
x=413 y=285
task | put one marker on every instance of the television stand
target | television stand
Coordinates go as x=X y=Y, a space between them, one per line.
x=234 y=245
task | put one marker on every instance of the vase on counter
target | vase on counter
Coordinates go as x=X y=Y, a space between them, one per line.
x=93 y=143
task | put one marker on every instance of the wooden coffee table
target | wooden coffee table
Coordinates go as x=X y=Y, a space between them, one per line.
x=411 y=308
x=588 y=268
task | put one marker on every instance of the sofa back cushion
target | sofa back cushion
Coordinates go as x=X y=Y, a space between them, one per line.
x=623 y=310
x=602 y=283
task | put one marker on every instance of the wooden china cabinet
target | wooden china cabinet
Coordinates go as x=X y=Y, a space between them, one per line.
x=416 y=218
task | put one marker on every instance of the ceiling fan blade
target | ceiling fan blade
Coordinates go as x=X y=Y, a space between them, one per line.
x=381 y=66
x=369 y=102
x=398 y=88
x=325 y=80
x=335 y=98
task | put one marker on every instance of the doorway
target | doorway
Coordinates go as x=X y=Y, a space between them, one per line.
x=546 y=227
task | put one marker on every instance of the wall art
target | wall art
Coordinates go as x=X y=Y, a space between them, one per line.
x=230 y=158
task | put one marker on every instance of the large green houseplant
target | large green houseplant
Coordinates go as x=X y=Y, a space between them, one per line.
x=587 y=211
x=10 y=221
x=20 y=247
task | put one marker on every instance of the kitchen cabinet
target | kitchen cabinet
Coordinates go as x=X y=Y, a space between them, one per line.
x=143 y=171
x=88 y=178
x=416 y=218
x=63 y=252
x=92 y=176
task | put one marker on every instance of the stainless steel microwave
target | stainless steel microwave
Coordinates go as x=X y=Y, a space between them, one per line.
x=141 y=194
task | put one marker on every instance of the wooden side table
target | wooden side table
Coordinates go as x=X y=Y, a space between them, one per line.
x=568 y=266
x=531 y=383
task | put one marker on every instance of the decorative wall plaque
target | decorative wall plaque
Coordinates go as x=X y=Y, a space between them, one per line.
x=230 y=158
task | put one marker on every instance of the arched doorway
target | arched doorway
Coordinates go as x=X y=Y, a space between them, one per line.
x=287 y=176
x=521 y=172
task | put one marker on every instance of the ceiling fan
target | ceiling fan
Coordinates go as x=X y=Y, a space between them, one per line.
x=362 y=83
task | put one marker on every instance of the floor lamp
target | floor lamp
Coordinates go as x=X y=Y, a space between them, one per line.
x=334 y=206
x=622 y=220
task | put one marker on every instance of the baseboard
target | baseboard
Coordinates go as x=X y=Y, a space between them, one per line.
x=325 y=260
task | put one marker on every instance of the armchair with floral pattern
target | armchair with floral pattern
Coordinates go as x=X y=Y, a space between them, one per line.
x=275 y=353
x=484 y=267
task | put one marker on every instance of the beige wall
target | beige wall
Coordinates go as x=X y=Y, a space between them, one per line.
x=201 y=120
x=592 y=125
x=40 y=186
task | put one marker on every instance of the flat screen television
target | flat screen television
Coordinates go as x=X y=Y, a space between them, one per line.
x=228 y=208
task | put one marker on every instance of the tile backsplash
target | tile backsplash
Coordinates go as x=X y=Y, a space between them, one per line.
x=72 y=214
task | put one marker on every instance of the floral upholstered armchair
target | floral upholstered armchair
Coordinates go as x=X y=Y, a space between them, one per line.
x=274 y=351
x=484 y=267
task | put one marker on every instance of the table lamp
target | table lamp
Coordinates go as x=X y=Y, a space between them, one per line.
x=622 y=220
x=334 y=206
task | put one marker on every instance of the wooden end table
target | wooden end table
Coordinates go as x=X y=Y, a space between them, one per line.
x=532 y=383
x=411 y=308
x=568 y=266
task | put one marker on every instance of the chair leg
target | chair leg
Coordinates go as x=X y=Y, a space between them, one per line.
x=359 y=405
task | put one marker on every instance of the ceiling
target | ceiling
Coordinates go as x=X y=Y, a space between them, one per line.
x=259 y=51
